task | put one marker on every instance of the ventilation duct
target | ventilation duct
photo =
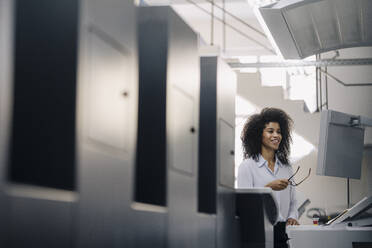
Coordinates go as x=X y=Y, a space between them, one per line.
x=301 y=28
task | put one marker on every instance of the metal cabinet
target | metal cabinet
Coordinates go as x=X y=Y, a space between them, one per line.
x=227 y=225
x=169 y=68
x=106 y=123
x=68 y=104
x=216 y=154
x=101 y=109
x=37 y=121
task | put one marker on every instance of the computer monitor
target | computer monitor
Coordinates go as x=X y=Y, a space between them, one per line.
x=341 y=145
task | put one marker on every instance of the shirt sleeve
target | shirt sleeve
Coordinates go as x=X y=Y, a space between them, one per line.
x=293 y=212
x=245 y=177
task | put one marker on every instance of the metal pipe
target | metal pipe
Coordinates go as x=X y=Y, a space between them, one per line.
x=326 y=83
x=348 y=192
x=324 y=62
x=320 y=85
x=316 y=85
x=343 y=83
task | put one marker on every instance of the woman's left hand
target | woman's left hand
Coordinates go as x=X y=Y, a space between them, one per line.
x=292 y=222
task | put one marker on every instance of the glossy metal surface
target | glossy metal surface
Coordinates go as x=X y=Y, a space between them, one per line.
x=303 y=28
x=106 y=123
x=219 y=86
x=36 y=216
x=98 y=206
x=6 y=47
x=172 y=61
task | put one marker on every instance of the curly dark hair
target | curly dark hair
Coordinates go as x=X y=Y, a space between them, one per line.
x=252 y=133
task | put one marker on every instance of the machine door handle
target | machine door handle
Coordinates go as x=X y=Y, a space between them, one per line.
x=125 y=93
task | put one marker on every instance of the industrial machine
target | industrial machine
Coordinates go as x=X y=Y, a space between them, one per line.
x=216 y=197
x=100 y=131
x=341 y=143
x=351 y=228
x=37 y=153
x=166 y=171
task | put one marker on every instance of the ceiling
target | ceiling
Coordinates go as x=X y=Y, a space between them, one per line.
x=241 y=35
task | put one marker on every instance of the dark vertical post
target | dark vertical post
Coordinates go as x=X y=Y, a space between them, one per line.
x=207 y=185
x=43 y=130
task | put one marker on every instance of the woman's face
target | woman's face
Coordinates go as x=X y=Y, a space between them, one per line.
x=271 y=136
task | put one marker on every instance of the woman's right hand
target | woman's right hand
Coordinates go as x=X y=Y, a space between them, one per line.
x=278 y=184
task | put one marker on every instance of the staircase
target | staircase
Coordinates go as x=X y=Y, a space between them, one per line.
x=305 y=124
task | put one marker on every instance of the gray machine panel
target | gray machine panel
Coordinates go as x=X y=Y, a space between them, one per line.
x=182 y=50
x=182 y=142
x=46 y=223
x=104 y=202
x=340 y=146
x=206 y=236
x=226 y=163
x=106 y=123
x=6 y=48
x=29 y=220
x=220 y=83
x=226 y=88
x=227 y=234
x=226 y=91
x=207 y=157
x=183 y=82
x=344 y=158
x=227 y=225
x=6 y=60
x=182 y=218
x=150 y=226
x=180 y=61
x=108 y=108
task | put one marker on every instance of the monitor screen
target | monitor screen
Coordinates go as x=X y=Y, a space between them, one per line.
x=340 y=147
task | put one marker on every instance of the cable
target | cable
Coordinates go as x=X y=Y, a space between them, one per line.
x=315 y=211
x=233 y=28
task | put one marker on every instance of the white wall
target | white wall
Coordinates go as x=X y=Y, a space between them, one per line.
x=354 y=100
x=329 y=193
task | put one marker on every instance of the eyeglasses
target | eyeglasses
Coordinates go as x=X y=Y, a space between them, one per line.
x=291 y=180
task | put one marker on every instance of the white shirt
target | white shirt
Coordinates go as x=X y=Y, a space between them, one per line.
x=258 y=174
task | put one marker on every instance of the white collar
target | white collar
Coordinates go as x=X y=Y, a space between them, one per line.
x=261 y=161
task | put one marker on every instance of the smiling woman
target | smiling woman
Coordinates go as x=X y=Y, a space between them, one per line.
x=266 y=141
x=271 y=137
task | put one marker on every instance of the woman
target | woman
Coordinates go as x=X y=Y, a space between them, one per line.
x=266 y=140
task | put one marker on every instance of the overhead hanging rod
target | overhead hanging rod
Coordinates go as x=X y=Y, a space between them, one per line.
x=238 y=19
x=234 y=28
